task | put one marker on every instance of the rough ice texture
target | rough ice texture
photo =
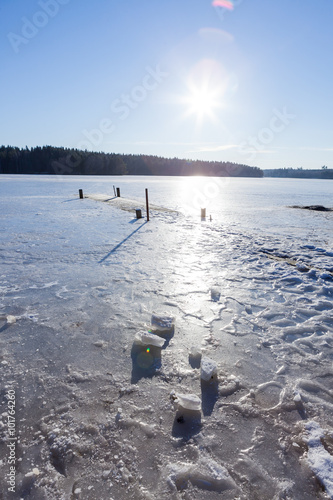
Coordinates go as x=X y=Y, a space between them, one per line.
x=188 y=402
x=146 y=338
x=208 y=368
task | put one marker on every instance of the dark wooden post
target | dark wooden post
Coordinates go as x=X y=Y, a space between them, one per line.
x=147 y=205
x=138 y=213
x=118 y=192
x=81 y=194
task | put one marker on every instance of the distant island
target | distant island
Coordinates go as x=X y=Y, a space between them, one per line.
x=65 y=161
x=300 y=173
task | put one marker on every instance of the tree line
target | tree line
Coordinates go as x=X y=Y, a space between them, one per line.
x=300 y=173
x=66 y=161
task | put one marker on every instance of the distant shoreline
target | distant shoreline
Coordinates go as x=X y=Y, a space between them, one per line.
x=299 y=173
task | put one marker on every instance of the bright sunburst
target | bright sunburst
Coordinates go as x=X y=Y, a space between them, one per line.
x=205 y=91
x=202 y=102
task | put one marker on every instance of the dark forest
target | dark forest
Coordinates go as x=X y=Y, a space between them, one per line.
x=63 y=161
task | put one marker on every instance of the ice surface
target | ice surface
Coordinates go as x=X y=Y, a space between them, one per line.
x=93 y=409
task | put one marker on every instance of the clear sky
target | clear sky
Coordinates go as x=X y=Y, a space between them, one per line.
x=248 y=81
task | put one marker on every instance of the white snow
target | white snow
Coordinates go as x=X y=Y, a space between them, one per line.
x=320 y=461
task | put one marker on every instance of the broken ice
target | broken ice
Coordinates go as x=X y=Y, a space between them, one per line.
x=189 y=402
x=206 y=474
x=208 y=368
x=145 y=338
x=195 y=354
x=215 y=293
x=162 y=325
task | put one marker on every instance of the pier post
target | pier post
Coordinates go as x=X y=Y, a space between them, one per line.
x=81 y=194
x=147 y=205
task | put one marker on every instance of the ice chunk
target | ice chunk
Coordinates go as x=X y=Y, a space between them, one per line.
x=34 y=472
x=145 y=338
x=11 y=319
x=195 y=356
x=281 y=370
x=163 y=325
x=206 y=475
x=189 y=402
x=208 y=368
x=215 y=293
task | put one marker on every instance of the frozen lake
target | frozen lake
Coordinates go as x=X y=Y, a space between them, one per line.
x=252 y=290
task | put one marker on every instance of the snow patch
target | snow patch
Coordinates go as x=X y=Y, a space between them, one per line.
x=320 y=461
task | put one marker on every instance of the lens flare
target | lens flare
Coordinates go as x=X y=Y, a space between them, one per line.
x=226 y=4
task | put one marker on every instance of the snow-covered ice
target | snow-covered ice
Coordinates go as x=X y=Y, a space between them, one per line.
x=251 y=290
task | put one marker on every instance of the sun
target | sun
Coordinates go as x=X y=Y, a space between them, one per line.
x=202 y=102
x=204 y=92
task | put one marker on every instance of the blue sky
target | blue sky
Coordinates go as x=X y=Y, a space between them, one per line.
x=180 y=78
